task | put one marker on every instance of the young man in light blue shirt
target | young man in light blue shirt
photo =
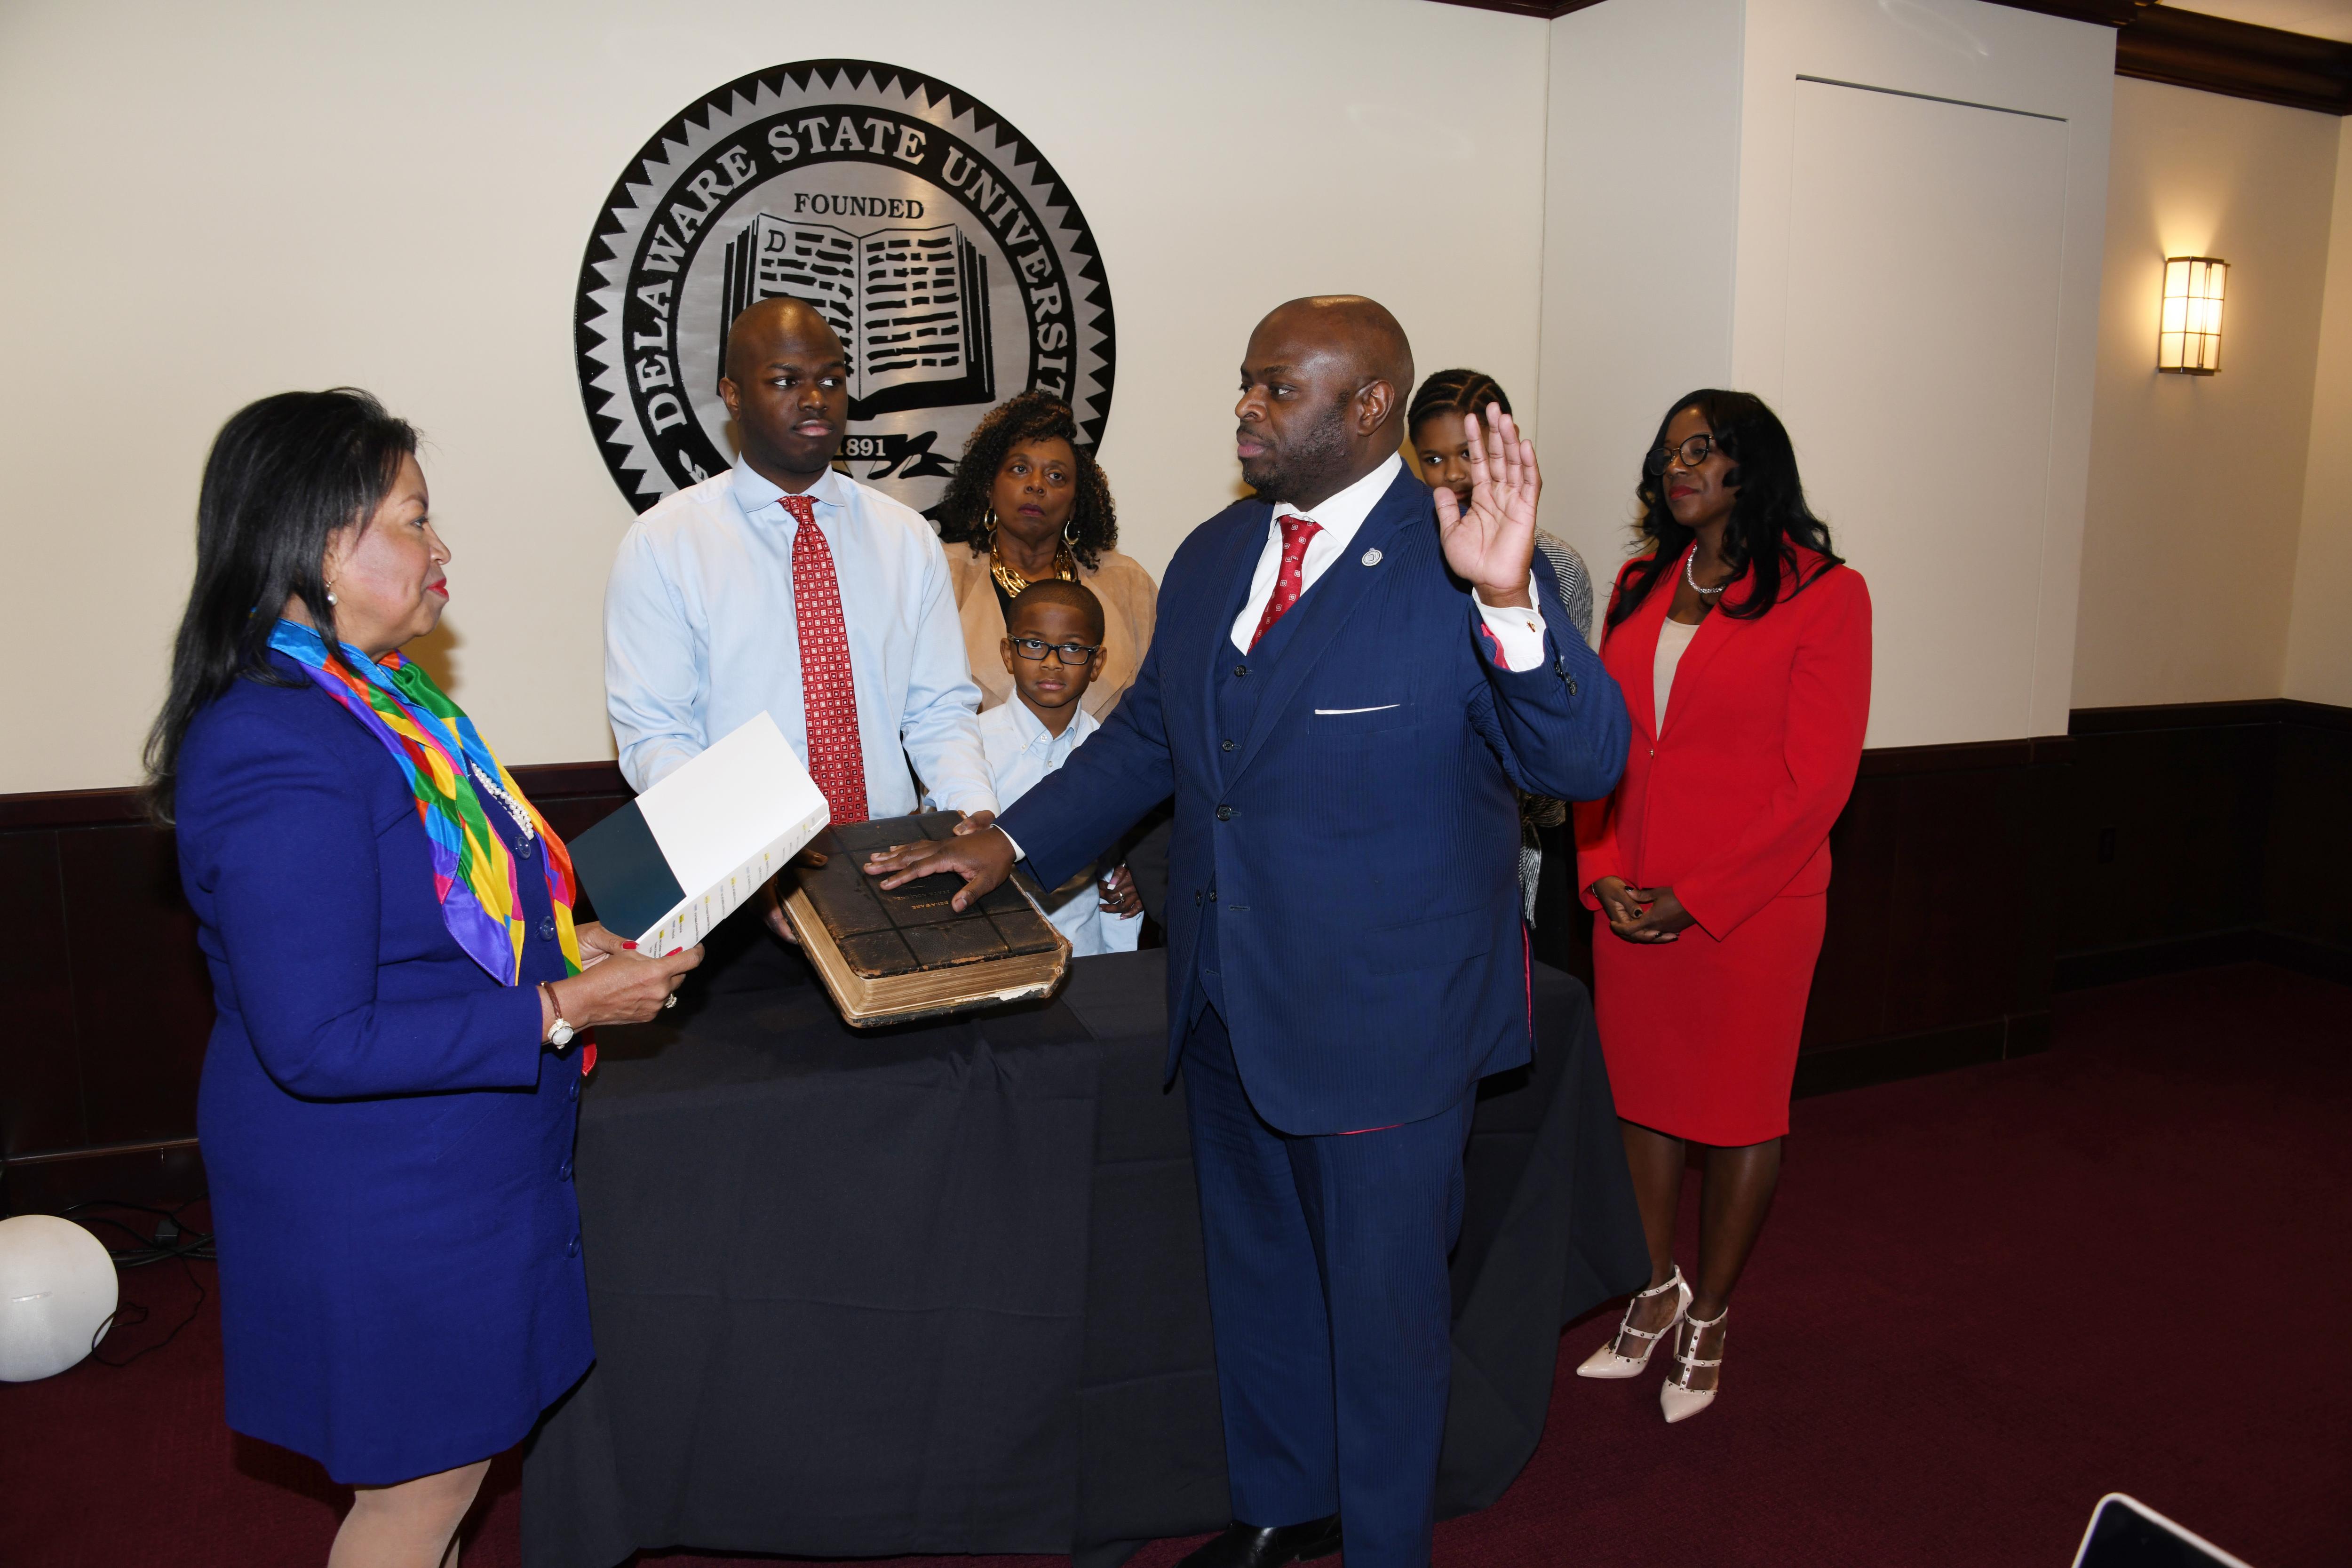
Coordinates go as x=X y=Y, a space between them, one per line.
x=781 y=585
x=701 y=628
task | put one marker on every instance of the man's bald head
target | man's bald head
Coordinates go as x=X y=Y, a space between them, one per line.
x=1359 y=329
x=1323 y=396
x=760 y=328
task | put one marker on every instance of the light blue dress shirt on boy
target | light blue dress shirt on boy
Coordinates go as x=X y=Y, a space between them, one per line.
x=699 y=637
x=1021 y=751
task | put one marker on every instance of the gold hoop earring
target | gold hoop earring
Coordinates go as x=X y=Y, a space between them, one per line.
x=987 y=527
x=1070 y=530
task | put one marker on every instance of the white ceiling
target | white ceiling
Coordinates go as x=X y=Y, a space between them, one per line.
x=2320 y=18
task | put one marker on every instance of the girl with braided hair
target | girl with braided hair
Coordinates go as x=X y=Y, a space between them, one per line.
x=1433 y=422
x=1027 y=503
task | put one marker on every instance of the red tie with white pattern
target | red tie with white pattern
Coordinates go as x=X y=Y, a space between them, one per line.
x=836 y=756
x=1287 y=584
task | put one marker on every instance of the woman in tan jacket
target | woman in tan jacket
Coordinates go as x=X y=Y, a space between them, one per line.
x=1028 y=502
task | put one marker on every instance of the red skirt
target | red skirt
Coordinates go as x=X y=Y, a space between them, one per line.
x=1701 y=1035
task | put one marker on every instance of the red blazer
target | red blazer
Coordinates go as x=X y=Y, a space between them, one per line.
x=1731 y=805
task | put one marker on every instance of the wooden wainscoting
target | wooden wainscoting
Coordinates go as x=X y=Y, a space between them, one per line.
x=2208 y=833
x=1971 y=880
x=98 y=1075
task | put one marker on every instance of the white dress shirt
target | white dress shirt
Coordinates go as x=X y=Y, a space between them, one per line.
x=1521 y=632
x=699 y=636
x=1021 y=751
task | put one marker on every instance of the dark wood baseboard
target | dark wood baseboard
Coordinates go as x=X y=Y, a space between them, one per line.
x=1915 y=1055
x=164 y=1171
x=2206 y=833
x=2207 y=949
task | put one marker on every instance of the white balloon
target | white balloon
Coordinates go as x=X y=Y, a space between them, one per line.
x=57 y=1288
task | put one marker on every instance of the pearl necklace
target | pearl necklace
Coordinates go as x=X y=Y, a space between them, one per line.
x=514 y=807
x=1690 y=575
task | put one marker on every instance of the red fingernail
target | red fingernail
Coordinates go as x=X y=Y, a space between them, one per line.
x=630 y=945
x=673 y=952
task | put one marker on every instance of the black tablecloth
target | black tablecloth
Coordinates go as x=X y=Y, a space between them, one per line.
x=938 y=1288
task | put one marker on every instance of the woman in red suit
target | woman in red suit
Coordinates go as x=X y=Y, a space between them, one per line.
x=1742 y=644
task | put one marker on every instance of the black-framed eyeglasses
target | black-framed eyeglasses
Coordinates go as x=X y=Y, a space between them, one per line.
x=1036 y=649
x=1692 y=452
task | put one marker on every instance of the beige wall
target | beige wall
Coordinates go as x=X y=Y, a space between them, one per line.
x=2319 y=636
x=1866 y=220
x=2197 y=482
x=1641 y=219
x=202 y=205
x=280 y=195
x=1708 y=227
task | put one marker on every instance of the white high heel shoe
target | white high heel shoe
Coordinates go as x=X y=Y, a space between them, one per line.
x=1676 y=1397
x=1606 y=1363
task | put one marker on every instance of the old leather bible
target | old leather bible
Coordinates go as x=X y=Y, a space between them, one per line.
x=888 y=957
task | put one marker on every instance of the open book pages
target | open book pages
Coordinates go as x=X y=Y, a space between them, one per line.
x=910 y=305
x=670 y=864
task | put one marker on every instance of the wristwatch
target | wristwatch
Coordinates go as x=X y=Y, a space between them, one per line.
x=560 y=1036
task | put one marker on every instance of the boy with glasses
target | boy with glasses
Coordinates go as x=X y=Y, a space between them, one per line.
x=1052 y=648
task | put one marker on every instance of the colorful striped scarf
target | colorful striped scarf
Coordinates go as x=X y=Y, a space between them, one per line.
x=474 y=874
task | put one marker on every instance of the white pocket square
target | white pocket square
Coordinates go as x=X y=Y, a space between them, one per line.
x=1334 y=712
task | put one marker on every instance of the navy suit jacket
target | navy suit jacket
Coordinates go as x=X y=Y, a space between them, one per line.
x=388 y=1143
x=1362 y=840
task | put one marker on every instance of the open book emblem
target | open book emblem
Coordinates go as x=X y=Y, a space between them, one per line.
x=938 y=242
x=910 y=306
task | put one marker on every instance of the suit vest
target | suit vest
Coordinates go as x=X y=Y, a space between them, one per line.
x=1241 y=682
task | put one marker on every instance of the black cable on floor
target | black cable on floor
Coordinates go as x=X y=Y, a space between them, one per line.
x=168 y=1241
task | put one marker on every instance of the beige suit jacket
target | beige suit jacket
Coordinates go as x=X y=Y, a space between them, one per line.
x=1130 y=602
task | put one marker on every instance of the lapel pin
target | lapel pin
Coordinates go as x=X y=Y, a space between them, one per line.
x=1371 y=557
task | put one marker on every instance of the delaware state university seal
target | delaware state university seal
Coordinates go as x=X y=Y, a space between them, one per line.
x=938 y=242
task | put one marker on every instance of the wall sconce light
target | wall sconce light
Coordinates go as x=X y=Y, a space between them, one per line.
x=2189 y=341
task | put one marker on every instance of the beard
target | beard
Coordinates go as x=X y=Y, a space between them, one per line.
x=1300 y=463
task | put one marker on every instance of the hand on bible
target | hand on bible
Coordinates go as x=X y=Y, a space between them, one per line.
x=1492 y=544
x=771 y=902
x=983 y=860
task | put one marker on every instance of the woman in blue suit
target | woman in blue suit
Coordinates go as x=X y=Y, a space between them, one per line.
x=388 y=1099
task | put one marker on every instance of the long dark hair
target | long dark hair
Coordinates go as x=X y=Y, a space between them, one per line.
x=962 y=510
x=285 y=473
x=1454 y=392
x=1769 y=520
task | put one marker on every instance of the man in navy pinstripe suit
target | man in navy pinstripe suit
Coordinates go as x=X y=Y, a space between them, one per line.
x=1348 y=678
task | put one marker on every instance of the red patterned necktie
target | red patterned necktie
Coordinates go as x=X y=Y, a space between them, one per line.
x=836 y=757
x=1287 y=586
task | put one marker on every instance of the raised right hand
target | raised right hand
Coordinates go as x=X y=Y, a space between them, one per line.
x=983 y=860
x=624 y=988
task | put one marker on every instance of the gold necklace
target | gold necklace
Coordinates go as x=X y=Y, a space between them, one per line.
x=1013 y=583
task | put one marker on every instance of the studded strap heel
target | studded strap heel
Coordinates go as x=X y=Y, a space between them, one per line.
x=1676 y=1397
x=1609 y=1362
